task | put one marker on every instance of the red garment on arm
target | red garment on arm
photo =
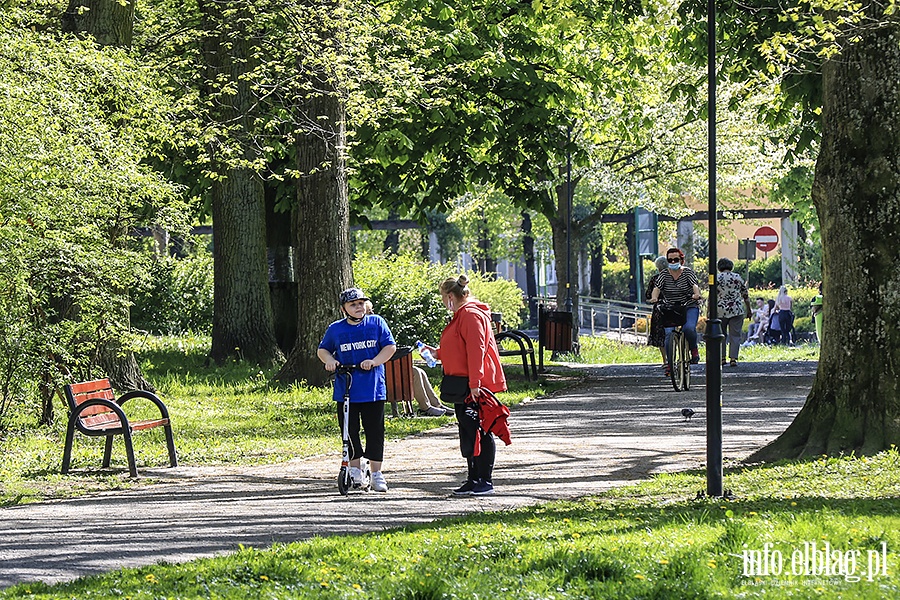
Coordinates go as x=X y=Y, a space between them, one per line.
x=468 y=348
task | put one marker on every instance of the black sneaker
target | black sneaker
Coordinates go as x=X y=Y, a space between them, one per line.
x=695 y=360
x=482 y=488
x=465 y=489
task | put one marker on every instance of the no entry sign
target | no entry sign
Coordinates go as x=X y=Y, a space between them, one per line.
x=766 y=239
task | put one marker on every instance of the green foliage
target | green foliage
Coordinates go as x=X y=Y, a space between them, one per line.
x=175 y=295
x=77 y=125
x=502 y=295
x=404 y=290
x=765 y=272
x=616 y=276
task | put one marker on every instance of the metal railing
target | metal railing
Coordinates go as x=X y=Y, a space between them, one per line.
x=602 y=315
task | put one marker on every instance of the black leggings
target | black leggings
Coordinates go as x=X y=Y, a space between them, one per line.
x=481 y=466
x=372 y=416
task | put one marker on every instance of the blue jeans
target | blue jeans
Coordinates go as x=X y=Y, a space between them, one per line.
x=692 y=313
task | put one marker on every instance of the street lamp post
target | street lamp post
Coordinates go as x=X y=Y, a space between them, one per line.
x=714 y=335
x=569 y=219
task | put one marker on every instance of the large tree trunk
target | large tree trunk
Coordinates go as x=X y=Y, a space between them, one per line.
x=854 y=405
x=242 y=318
x=322 y=233
x=111 y=22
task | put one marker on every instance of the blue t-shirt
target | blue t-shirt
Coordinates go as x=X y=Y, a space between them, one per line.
x=352 y=344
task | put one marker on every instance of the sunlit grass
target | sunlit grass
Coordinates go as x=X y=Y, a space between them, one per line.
x=607 y=351
x=656 y=540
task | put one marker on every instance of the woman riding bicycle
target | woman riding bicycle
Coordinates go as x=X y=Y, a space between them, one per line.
x=679 y=286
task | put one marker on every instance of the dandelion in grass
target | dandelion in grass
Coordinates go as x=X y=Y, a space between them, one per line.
x=712 y=564
x=663 y=561
x=263 y=578
x=639 y=576
x=151 y=578
x=356 y=586
x=324 y=584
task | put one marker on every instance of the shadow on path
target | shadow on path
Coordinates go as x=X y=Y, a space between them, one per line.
x=622 y=425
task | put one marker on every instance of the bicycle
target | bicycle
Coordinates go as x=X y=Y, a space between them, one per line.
x=678 y=352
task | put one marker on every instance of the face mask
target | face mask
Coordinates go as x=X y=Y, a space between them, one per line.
x=674 y=266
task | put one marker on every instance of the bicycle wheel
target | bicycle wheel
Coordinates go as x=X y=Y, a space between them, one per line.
x=686 y=363
x=678 y=359
x=344 y=481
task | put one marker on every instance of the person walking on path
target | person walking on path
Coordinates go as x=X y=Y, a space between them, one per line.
x=365 y=340
x=679 y=286
x=733 y=306
x=657 y=336
x=471 y=361
x=785 y=306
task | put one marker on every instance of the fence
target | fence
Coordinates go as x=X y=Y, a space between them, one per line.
x=603 y=316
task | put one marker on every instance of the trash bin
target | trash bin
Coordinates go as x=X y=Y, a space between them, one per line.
x=555 y=328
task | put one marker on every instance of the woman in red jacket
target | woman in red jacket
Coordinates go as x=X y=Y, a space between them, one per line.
x=471 y=362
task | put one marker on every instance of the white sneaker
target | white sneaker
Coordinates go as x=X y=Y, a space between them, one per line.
x=356 y=477
x=378 y=482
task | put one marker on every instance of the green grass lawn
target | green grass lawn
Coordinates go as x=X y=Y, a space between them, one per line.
x=230 y=414
x=605 y=351
x=825 y=528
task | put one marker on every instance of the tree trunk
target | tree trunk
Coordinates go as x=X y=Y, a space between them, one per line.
x=530 y=274
x=111 y=22
x=854 y=405
x=282 y=285
x=562 y=247
x=321 y=224
x=242 y=312
x=596 y=284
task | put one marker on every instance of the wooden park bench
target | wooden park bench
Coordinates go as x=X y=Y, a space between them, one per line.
x=95 y=411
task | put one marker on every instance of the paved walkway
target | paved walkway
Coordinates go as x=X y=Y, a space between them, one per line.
x=622 y=425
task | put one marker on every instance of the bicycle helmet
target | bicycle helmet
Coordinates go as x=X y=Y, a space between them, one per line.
x=351 y=295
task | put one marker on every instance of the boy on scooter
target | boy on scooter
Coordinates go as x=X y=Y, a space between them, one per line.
x=365 y=340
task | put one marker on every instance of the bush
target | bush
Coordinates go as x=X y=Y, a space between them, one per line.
x=764 y=273
x=404 y=291
x=502 y=295
x=177 y=296
x=804 y=324
x=615 y=280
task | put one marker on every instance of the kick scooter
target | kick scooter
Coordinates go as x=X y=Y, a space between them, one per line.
x=344 y=481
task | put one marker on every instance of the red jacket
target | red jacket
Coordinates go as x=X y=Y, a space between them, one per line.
x=468 y=348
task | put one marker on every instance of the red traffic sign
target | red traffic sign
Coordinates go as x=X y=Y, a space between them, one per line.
x=766 y=239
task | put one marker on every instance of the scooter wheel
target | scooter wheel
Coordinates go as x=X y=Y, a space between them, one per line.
x=344 y=481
